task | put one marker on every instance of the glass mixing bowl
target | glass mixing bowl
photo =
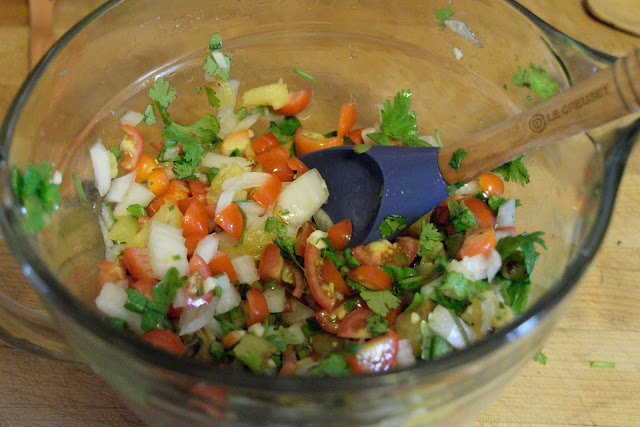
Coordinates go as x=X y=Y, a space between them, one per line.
x=362 y=52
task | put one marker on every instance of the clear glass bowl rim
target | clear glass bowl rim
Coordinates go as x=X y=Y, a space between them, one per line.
x=54 y=292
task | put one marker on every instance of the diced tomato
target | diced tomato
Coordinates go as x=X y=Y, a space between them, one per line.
x=371 y=277
x=491 y=184
x=145 y=167
x=297 y=166
x=179 y=185
x=332 y=277
x=321 y=291
x=354 y=324
x=339 y=234
x=196 y=263
x=174 y=312
x=289 y=367
x=231 y=220
x=191 y=240
x=298 y=101
x=307 y=141
x=136 y=261
x=301 y=238
x=482 y=211
x=275 y=161
x=131 y=148
x=356 y=136
x=264 y=143
x=196 y=297
x=166 y=340
x=198 y=190
x=175 y=194
x=271 y=263
x=407 y=246
x=403 y=252
x=155 y=205
x=347 y=118
x=298 y=279
x=329 y=320
x=145 y=287
x=477 y=240
x=110 y=272
x=392 y=315
x=184 y=204
x=257 y=309
x=221 y=263
x=377 y=355
x=232 y=338
x=196 y=220
x=267 y=194
x=142 y=219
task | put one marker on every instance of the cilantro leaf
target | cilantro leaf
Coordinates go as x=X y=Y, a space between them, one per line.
x=287 y=249
x=417 y=300
x=456 y=286
x=456 y=158
x=162 y=96
x=391 y=224
x=516 y=294
x=362 y=148
x=211 y=97
x=165 y=291
x=380 y=302
x=461 y=216
x=405 y=277
x=203 y=132
x=525 y=242
x=37 y=194
x=281 y=337
x=537 y=79
x=443 y=14
x=397 y=122
x=149 y=116
x=514 y=170
x=273 y=224
x=439 y=347
x=215 y=41
x=496 y=200
x=212 y=68
x=428 y=239
x=333 y=365
x=285 y=130
x=458 y=306
x=377 y=325
x=540 y=358
x=136 y=210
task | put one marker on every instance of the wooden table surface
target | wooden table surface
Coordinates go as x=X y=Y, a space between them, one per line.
x=601 y=324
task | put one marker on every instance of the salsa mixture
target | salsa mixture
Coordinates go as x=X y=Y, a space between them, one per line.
x=217 y=247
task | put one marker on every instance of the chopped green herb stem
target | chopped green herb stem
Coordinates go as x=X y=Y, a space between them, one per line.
x=304 y=75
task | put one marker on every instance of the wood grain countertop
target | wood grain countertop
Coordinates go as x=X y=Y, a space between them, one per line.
x=601 y=324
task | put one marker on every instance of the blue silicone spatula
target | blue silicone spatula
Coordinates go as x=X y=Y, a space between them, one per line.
x=410 y=181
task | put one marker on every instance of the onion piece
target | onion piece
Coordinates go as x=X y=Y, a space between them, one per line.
x=219 y=58
x=245 y=268
x=367 y=131
x=224 y=200
x=215 y=160
x=247 y=122
x=405 y=356
x=472 y=268
x=131 y=118
x=302 y=198
x=503 y=233
x=229 y=295
x=111 y=300
x=207 y=247
x=507 y=214
x=119 y=187
x=462 y=29
x=194 y=319
x=101 y=167
x=138 y=194
x=471 y=187
x=299 y=312
x=322 y=220
x=442 y=323
x=276 y=300
x=494 y=263
x=244 y=181
x=167 y=249
x=215 y=328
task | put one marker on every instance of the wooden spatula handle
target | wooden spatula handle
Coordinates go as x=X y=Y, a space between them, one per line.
x=599 y=99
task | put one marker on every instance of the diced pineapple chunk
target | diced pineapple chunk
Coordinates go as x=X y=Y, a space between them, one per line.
x=124 y=229
x=225 y=94
x=240 y=141
x=168 y=213
x=275 y=95
x=227 y=171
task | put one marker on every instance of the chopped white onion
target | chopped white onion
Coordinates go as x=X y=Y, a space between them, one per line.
x=302 y=198
x=207 y=247
x=224 y=200
x=322 y=220
x=256 y=329
x=405 y=356
x=462 y=29
x=215 y=160
x=317 y=239
x=107 y=216
x=219 y=58
x=429 y=139
x=228 y=121
x=247 y=122
x=427 y=289
x=235 y=84
x=229 y=295
x=299 y=312
x=494 y=263
x=503 y=233
x=276 y=300
x=131 y=118
x=215 y=328
x=507 y=214
x=138 y=194
x=245 y=268
x=473 y=268
x=167 y=249
x=469 y=188
x=193 y=319
x=180 y=300
x=101 y=167
x=111 y=300
x=457 y=53
x=56 y=178
x=119 y=187
x=366 y=132
x=442 y=323
x=244 y=181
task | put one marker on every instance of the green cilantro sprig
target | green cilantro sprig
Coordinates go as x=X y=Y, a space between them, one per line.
x=391 y=224
x=514 y=170
x=461 y=216
x=525 y=242
x=536 y=79
x=456 y=158
x=37 y=194
x=443 y=14
x=398 y=123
